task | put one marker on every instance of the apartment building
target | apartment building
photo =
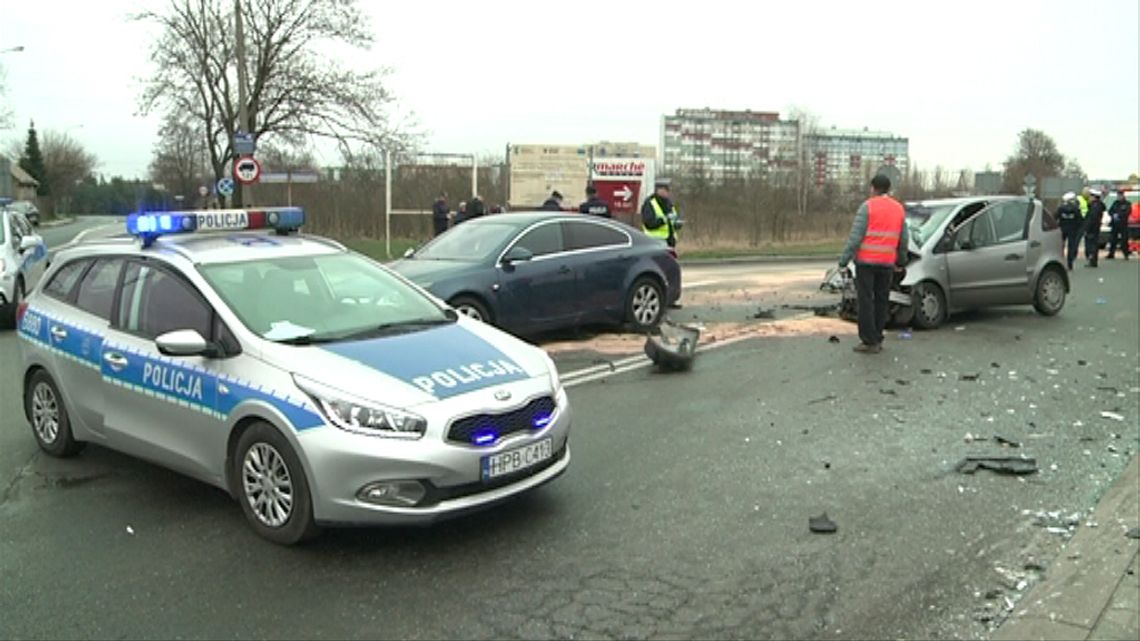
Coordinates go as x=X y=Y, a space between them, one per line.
x=722 y=144
x=848 y=157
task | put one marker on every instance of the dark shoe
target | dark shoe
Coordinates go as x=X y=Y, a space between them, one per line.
x=864 y=348
x=1110 y=257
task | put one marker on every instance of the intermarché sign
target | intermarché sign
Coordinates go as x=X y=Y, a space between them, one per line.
x=628 y=168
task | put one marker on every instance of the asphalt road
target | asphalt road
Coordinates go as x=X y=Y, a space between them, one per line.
x=684 y=513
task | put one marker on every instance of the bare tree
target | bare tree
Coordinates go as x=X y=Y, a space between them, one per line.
x=804 y=176
x=1036 y=153
x=66 y=163
x=295 y=93
x=5 y=110
x=180 y=161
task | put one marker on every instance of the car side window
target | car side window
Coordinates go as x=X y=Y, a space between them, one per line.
x=64 y=279
x=542 y=240
x=155 y=302
x=587 y=235
x=1009 y=220
x=96 y=293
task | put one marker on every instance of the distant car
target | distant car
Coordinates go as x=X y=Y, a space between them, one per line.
x=1133 y=197
x=537 y=271
x=23 y=256
x=28 y=209
x=977 y=252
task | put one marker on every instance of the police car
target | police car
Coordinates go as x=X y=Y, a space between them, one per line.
x=23 y=257
x=315 y=385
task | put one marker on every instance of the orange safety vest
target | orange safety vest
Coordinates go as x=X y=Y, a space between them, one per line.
x=885 y=220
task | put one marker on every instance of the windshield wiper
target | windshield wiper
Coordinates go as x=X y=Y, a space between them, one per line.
x=307 y=339
x=400 y=327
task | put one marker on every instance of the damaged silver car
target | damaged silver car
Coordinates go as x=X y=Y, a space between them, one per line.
x=969 y=253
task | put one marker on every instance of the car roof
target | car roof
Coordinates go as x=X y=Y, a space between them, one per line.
x=525 y=218
x=962 y=200
x=221 y=247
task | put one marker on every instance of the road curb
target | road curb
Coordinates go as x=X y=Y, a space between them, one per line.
x=757 y=259
x=1079 y=586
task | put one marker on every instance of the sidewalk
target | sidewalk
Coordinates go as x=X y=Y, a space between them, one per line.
x=1093 y=590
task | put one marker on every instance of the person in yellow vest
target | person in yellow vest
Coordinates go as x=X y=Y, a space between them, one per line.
x=659 y=216
x=1083 y=201
x=878 y=243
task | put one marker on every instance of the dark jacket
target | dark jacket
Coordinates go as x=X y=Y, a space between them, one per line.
x=1120 y=211
x=595 y=206
x=1069 y=214
x=475 y=209
x=1095 y=217
x=551 y=205
x=439 y=209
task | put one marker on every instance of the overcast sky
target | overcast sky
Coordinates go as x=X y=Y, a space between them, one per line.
x=959 y=78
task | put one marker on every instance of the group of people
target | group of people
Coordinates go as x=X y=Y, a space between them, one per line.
x=1082 y=216
x=660 y=218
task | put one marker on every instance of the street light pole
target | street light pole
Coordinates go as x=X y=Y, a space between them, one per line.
x=243 y=87
x=15 y=49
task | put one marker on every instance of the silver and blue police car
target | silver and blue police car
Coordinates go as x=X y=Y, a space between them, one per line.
x=315 y=385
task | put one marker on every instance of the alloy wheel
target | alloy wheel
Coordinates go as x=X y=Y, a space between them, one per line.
x=268 y=485
x=45 y=413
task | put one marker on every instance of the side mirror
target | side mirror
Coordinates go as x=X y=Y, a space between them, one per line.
x=409 y=252
x=30 y=242
x=517 y=254
x=183 y=342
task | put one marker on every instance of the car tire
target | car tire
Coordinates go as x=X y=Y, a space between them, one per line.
x=47 y=414
x=472 y=307
x=271 y=487
x=645 y=304
x=929 y=305
x=1049 y=295
x=901 y=315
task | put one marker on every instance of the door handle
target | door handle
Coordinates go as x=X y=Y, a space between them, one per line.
x=564 y=270
x=1034 y=244
x=116 y=361
x=58 y=332
x=1013 y=256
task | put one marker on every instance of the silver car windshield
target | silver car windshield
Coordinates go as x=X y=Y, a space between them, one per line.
x=923 y=220
x=309 y=299
x=468 y=242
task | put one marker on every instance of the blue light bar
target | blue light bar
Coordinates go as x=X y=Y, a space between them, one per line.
x=150 y=225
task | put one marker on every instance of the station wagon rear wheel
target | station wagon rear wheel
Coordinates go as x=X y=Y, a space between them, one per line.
x=1049 y=297
x=271 y=486
x=50 y=422
x=645 y=304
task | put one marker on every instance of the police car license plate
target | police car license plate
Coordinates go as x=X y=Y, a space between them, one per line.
x=520 y=458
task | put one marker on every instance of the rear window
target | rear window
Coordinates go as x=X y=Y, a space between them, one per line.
x=63 y=281
x=1048 y=220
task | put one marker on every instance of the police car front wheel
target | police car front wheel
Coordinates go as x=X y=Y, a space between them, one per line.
x=48 y=416
x=271 y=486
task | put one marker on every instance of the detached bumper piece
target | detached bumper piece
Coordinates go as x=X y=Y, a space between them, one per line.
x=673 y=347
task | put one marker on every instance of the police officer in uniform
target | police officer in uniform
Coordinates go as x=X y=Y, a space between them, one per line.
x=658 y=217
x=1069 y=215
x=1092 y=227
x=594 y=206
x=1118 y=220
x=439 y=212
x=554 y=203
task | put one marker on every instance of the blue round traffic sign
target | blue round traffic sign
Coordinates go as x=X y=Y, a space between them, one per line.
x=225 y=186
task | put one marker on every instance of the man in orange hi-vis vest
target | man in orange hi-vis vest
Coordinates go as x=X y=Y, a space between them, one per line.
x=878 y=242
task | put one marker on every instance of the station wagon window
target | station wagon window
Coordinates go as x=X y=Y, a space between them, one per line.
x=97 y=289
x=584 y=235
x=154 y=302
x=542 y=240
x=64 y=279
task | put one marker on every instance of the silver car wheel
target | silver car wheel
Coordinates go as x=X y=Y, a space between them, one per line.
x=268 y=486
x=646 y=304
x=45 y=413
x=931 y=306
x=470 y=312
x=1052 y=290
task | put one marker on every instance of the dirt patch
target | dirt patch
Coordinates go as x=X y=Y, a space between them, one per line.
x=626 y=344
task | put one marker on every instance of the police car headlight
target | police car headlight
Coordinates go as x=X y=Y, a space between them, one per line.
x=358 y=415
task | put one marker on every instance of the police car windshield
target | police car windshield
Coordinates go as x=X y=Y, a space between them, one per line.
x=923 y=220
x=308 y=299
x=471 y=242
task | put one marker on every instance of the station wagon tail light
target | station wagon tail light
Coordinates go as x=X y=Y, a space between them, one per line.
x=147 y=226
x=362 y=416
x=20 y=310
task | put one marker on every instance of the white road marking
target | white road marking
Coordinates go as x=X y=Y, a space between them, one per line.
x=700 y=283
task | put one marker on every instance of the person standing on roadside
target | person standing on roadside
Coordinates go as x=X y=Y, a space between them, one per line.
x=1118 y=221
x=554 y=203
x=594 y=206
x=878 y=243
x=1092 y=228
x=1069 y=216
x=439 y=212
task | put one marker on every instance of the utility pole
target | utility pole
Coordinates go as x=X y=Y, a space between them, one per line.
x=246 y=191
